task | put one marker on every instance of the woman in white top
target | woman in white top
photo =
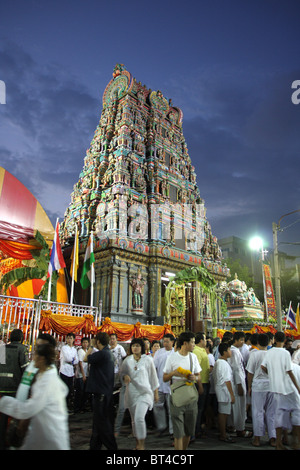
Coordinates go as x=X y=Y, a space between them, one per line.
x=139 y=375
x=48 y=429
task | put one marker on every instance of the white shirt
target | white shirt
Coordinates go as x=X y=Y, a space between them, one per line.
x=119 y=354
x=48 y=429
x=143 y=380
x=159 y=361
x=237 y=365
x=296 y=356
x=222 y=373
x=178 y=360
x=260 y=382
x=278 y=362
x=81 y=355
x=68 y=359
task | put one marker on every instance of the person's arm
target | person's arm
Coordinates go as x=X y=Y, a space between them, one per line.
x=264 y=369
x=174 y=373
x=199 y=383
x=250 y=380
x=293 y=379
x=230 y=390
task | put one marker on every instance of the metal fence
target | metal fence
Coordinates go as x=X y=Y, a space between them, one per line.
x=25 y=314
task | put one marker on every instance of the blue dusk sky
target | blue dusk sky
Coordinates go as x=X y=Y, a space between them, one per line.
x=229 y=65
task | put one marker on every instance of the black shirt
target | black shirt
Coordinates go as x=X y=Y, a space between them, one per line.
x=101 y=374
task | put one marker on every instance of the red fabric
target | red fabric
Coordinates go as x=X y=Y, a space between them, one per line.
x=17 y=204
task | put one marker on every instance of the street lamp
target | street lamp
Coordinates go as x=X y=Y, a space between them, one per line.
x=256 y=244
x=275 y=229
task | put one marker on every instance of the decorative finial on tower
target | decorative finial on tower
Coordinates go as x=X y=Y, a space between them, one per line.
x=118 y=69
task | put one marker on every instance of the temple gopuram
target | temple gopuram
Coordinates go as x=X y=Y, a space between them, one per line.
x=137 y=193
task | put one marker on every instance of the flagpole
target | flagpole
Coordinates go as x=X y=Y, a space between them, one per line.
x=286 y=321
x=73 y=267
x=50 y=278
x=92 y=273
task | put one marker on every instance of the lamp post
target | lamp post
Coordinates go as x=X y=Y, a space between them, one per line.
x=275 y=229
x=256 y=244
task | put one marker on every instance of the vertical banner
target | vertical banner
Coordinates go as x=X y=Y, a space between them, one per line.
x=269 y=292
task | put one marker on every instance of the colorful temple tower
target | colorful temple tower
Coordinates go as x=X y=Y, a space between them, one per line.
x=137 y=192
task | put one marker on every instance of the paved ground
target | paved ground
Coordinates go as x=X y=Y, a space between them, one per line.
x=81 y=426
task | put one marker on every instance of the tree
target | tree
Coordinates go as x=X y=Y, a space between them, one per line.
x=242 y=271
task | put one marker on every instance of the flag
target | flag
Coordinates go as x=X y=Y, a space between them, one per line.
x=291 y=318
x=87 y=275
x=298 y=318
x=74 y=261
x=57 y=261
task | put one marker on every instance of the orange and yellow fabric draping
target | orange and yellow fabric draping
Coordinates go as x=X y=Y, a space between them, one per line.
x=124 y=332
x=294 y=334
x=17 y=250
x=64 y=324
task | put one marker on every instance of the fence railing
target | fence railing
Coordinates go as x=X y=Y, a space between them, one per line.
x=25 y=314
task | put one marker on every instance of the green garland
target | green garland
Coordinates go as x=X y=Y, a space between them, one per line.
x=17 y=276
x=195 y=273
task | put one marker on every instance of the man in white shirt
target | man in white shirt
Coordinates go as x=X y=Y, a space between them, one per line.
x=68 y=359
x=183 y=417
x=81 y=397
x=162 y=407
x=278 y=365
x=239 y=382
x=262 y=400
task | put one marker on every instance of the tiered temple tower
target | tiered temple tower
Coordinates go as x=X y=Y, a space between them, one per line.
x=137 y=192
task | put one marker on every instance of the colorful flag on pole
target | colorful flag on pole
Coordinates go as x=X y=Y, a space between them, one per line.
x=57 y=261
x=269 y=291
x=74 y=258
x=87 y=275
x=291 y=318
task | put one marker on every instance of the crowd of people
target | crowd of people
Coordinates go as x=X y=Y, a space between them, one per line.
x=186 y=385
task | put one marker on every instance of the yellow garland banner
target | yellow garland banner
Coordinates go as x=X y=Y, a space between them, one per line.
x=294 y=334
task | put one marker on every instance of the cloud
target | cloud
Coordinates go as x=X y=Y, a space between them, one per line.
x=244 y=144
x=47 y=124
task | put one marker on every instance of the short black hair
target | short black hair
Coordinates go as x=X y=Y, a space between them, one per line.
x=223 y=347
x=17 y=335
x=102 y=338
x=47 y=351
x=254 y=339
x=199 y=337
x=185 y=336
x=279 y=337
x=227 y=336
x=170 y=336
x=263 y=340
x=47 y=337
x=71 y=334
x=238 y=335
x=139 y=341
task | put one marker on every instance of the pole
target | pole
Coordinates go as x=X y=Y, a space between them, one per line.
x=92 y=272
x=264 y=280
x=50 y=279
x=277 y=278
x=288 y=315
x=73 y=265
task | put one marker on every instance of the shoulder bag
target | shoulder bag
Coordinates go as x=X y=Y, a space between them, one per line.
x=182 y=394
